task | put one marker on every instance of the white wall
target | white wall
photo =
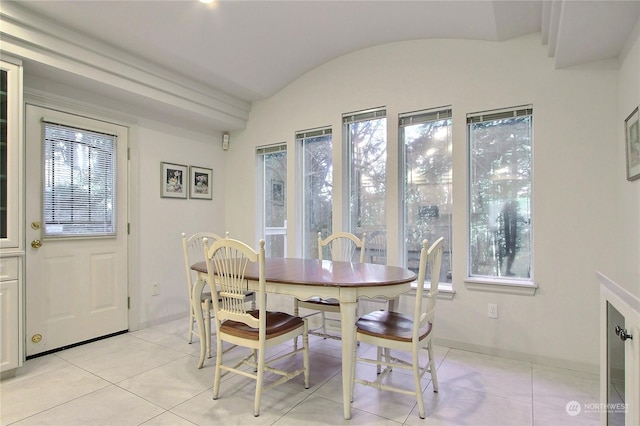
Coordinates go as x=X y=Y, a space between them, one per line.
x=576 y=165
x=162 y=220
x=627 y=270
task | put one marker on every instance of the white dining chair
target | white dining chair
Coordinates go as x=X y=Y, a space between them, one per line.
x=192 y=248
x=257 y=330
x=341 y=246
x=400 y=332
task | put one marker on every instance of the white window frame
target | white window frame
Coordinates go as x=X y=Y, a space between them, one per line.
x=301 y=210
x=495 y=283
x=347 y=119
x=261 y=152
x=405 y=119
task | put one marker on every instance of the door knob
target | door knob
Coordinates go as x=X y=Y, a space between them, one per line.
x=622 y=333
x=36 y=243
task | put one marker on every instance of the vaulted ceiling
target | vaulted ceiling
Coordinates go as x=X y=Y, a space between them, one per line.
x=248 y=50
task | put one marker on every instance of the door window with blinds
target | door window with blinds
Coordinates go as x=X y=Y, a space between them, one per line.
x=426 y=146
x=500 y=193
x=79 y=182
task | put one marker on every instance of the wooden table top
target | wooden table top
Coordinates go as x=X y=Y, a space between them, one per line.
x=325 y=273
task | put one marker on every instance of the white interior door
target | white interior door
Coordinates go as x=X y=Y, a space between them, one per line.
x=76 y=286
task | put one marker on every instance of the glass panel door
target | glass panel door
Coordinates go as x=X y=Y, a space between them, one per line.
x=615 y=366
x=3 y=154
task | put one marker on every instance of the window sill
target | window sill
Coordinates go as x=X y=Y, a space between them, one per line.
x=445 y=290
x=501 y=286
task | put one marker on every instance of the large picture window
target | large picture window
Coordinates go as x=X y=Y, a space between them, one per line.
x=366 y=144
x=500 y=164
x=426 y=146
x=79 y=172
x=316 y=168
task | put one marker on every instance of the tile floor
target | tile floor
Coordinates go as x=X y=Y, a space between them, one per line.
x=148 y=377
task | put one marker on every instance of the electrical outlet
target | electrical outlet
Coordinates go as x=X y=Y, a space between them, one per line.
x=155 y=290
x=493 y=310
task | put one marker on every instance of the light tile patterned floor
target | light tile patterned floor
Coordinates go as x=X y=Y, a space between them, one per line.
x=149 y=377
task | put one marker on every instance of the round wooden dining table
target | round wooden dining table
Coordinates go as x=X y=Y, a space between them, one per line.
x=306 y=278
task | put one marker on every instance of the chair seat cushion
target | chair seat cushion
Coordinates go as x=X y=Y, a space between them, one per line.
x=277 y=323
x=319 y=301
x=390 y=325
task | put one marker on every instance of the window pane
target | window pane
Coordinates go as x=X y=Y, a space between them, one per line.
x=500 y=197
x=428 y=190
x=368 y=174
x=317 y=171
x=79 y=178
x=275 y=204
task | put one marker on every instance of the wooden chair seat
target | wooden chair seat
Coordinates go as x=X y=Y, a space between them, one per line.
x=278 y=323
x=390 y=325
x=324 y=302
x=207 y=295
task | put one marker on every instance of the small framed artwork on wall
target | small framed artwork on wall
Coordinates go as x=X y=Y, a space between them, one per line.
x=632 y=135
x=201 y=183
x=173 y=180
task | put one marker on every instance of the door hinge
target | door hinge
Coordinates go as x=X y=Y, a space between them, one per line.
x=128 y=229
x=128 y=153
x=128 y=303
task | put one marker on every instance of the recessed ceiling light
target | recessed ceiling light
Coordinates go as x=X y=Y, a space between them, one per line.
x=206 y=1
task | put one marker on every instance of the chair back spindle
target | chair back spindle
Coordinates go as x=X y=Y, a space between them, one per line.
x=227 y=264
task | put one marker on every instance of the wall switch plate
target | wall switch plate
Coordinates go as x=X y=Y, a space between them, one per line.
x=493 y=310
x=155 y=290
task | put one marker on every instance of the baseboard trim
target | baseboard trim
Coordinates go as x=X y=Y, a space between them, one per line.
x=520 y=356
x=158 y=321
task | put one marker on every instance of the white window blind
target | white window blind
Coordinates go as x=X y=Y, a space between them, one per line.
x=271 y=149
x=501 y=114
x=79 y=176
x=366 y=115
x=313 y=133
x=424 y=116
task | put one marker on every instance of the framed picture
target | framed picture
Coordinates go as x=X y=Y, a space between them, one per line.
x=632 y=133
x=200 y=183
x=173 y=180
